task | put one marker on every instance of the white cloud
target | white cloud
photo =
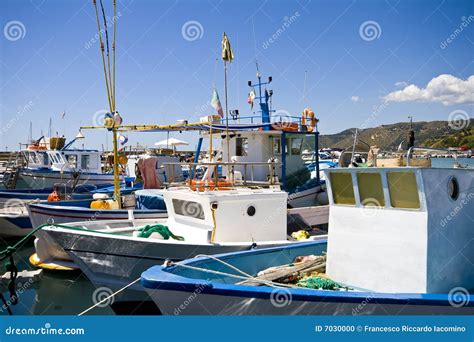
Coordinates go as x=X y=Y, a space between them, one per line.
x=355 y=98
x=446 y=89
x=401 y=84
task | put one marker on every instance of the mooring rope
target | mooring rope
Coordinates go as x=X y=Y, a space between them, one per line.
x=107 y=298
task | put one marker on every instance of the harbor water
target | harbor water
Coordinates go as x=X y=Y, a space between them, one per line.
x=69 y=292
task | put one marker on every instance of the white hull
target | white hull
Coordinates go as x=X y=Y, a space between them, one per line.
x=116 y=261
x=306 y=198
x=198 y=303
x=38 y=179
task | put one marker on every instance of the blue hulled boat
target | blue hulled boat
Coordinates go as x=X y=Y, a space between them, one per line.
x=400 y=242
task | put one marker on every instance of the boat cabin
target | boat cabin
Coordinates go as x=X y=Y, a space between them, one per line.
x=235 y=215
x=405 y=230
x=63 y=160
x=286 y=148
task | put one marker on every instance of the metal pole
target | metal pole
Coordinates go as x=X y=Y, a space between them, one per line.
x=226 y=118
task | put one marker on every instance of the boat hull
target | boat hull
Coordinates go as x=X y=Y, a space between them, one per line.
x=116 y=261
x=195 y=302
x=45 y=213
x=35 y=179
x=192 y=287
x=15 y=226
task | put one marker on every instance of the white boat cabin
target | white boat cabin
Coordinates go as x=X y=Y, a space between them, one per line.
x=63 y=160
x=262 y=146
x=236 y=215
x=403 y=230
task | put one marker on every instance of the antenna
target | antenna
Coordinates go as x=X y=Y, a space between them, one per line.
x=30 y=134
x=303 y=98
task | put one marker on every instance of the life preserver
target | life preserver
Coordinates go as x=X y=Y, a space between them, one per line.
x=200 y=185
x=37 y=147
x=308 y=114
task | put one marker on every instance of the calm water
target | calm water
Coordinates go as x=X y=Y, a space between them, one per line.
x=58 y=293
x=69 y=293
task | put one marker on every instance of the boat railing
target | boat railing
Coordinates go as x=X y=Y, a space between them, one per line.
x=430 y=149
x=235 y=177
x=257 y=119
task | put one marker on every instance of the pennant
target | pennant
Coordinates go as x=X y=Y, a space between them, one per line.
x=216 y=103
x=227 y=54
x=251 y=98
x=123 y=139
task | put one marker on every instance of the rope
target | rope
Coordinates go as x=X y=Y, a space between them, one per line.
x=107 y=298
x=205 y=270
x=164 y=231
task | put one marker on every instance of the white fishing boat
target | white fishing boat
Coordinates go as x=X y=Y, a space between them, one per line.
x=400 y=242
x=205 y=217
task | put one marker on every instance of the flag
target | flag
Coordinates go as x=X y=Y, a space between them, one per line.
x=123 y=139
x=227 y=54
x=251 y=98
x=216 y=103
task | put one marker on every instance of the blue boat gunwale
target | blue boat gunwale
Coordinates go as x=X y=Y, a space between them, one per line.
x=65 y=209
x=160 y=277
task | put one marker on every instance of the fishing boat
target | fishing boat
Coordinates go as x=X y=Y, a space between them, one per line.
x=38 y=166
x=17 y=220
x=399 y=242
x=148 y=199
x=209 y=217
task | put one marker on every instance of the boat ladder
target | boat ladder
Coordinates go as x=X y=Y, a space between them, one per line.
x=12 y=170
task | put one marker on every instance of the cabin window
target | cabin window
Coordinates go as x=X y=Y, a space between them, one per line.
x=403 y=190
x=370 y=189
x=43 y=158
x=241 y=147
x=342 y=188
x=85 y=161
x=296 y=144
x=71 y=160
x=32 y=159
x=188 y=208
x=276 y=146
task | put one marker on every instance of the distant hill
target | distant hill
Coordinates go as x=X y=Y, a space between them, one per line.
x=437 y=134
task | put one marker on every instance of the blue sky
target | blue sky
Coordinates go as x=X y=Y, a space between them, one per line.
x=52 y=62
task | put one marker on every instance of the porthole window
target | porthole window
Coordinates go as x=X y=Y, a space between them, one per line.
x=453 y=188
x=251 y=210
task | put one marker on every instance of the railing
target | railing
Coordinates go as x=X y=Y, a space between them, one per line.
x=248 y=179
x=257 y=119
x=411 y=149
